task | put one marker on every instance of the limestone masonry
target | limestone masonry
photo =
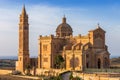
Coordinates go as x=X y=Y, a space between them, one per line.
x=79 y=52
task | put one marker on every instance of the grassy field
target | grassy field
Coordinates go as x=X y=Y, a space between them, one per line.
x=8 y=77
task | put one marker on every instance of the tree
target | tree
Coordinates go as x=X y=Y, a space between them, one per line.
x=78 y=78
x=28 y=67
x=59 y=61
x=55 y=78
x=71 y=76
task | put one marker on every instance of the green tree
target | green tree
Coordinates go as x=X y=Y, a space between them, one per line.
x=78 y=78
x=59 y=60
x=55 y=78
x=28 y=67
x=71 y=76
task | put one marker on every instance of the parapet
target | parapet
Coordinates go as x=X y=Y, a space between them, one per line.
x=46 y=37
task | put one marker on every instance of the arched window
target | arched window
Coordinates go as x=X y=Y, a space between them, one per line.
x=45 y=47
x=20 y=58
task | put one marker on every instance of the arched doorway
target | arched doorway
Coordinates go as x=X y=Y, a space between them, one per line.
x=87 y=64
x=99 y=63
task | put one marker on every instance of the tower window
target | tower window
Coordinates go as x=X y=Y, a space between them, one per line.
x=45 y=47
x=20 y=27
x=20 y=58
x=45 y=59
x=25 y=27
x=20 y=20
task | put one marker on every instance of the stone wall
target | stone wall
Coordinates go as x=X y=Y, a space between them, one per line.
x=51 y=72
x=98 y=76
x=4 y=72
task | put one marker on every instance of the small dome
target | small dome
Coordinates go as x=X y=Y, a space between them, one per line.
x=64 y=29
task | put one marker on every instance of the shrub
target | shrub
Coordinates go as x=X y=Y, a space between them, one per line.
x=16 y=72
x=71 y=76
x=55 y=78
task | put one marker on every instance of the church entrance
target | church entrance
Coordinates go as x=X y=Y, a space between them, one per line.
x=87 y=65
x=99 y=63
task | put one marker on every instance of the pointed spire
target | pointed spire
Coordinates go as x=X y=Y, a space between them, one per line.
x=64 y=19
x=23 y=10
x=64 y=15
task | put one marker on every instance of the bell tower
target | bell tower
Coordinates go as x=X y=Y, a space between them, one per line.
x=23 y=52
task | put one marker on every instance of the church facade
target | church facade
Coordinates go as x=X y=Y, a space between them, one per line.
x=79 y=52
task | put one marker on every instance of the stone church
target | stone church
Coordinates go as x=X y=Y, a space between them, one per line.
x=79 y=52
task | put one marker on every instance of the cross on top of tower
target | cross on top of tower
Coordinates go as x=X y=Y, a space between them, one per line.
x=98 y=25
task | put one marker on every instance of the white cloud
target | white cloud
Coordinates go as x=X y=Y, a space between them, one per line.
x=44 y=20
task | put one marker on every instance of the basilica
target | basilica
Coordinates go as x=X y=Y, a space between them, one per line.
x=79 y=52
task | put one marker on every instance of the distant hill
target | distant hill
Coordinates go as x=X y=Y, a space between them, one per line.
x=9 y=57
x=115 y=62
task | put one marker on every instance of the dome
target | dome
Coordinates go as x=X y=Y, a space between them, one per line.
x=64 y=29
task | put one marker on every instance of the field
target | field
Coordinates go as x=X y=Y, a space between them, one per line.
x=8 y=77
x=10 y=65
x=115 y=62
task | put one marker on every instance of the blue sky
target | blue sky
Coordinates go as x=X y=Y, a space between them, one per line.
x=46 y=15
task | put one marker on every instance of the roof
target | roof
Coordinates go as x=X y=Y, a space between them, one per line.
x=98 y=28
x=63 y=27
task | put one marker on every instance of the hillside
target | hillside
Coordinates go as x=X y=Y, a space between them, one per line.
x=115 y=62
x=10 y=64
x=7 y=64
